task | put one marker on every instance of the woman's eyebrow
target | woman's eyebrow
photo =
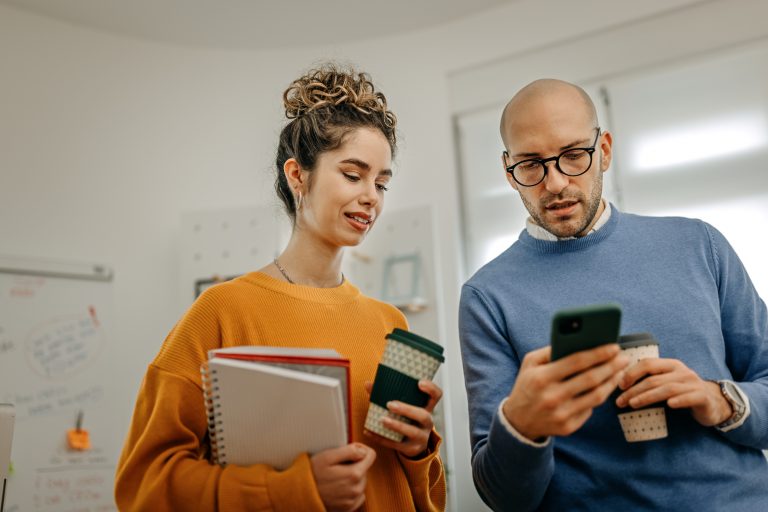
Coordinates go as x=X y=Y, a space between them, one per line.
x=365 y=166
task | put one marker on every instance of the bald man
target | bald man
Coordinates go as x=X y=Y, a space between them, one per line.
x=545 y=435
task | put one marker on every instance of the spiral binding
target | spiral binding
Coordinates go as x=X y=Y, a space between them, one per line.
x=212 y=409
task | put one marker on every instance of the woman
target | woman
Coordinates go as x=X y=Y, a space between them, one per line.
x=333 y=168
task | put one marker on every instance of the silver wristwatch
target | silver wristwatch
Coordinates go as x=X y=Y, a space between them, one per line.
x=733 y=394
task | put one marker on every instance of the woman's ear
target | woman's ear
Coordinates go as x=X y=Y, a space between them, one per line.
x=293 y=174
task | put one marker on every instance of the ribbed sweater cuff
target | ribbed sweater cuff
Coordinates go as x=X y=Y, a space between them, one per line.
x=295 y=488
x=503 y=445
x=754 y=431
x=512 y=430
x=412 y=466
x=510 y=474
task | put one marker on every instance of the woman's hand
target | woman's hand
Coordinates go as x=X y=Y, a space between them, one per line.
x=416 y=439
x=340 y=475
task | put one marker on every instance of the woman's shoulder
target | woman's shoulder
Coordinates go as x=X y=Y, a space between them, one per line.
x=384 y=309
x=243 y=286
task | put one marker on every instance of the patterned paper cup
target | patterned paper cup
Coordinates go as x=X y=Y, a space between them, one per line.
x=648 y=423
x=407 y=359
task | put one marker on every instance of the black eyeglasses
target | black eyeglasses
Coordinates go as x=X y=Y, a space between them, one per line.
x=571 y=162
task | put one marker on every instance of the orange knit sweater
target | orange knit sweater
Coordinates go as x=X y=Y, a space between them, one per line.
x=163 y=466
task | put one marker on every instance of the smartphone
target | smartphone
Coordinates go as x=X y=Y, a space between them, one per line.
x=584 y=328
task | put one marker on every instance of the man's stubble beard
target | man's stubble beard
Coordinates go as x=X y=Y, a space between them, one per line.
x=591 y=208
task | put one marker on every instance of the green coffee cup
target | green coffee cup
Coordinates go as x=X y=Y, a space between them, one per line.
x=407 y=359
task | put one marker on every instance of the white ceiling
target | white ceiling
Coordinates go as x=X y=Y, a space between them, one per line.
x=255 y=24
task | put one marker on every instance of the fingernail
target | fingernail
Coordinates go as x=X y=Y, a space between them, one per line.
x=392 y=405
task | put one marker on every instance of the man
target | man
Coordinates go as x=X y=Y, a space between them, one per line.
x=545 y=434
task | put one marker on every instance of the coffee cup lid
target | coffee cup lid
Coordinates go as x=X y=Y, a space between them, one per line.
x=637 y=339
x=418 y=342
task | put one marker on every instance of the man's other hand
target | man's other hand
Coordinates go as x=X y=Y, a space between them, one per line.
x=652 y=381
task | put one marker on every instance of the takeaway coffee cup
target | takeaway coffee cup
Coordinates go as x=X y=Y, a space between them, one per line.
x=407 y=359
x=650 y=422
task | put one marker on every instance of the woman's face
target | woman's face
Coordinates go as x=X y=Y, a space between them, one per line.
x=347 y=191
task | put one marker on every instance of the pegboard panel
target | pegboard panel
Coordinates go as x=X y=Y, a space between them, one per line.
x=226 y=243
x=396 y=262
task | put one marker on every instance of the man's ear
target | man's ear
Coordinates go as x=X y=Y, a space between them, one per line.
x=512 y=181
x=606 y=147
x=504 y=164
x=293 y=174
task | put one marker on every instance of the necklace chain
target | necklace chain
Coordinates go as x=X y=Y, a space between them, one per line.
x=282 y=271
x=287 y=278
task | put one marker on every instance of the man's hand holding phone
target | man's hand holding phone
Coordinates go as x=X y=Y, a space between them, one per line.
x=558 y=387
x=555 y=398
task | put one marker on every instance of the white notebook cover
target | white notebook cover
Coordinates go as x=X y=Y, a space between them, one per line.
x=264 y=414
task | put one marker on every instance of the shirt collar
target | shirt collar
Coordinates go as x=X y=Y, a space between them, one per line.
x=540 y=233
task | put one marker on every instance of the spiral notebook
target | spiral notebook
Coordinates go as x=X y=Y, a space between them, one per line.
x=267 y=405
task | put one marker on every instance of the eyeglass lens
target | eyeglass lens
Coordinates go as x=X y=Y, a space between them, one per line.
x=572 y=162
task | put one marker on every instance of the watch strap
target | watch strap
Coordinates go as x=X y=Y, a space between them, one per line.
x=739 y=403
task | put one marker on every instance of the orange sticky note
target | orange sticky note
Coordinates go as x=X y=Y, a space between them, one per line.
x=78 y=439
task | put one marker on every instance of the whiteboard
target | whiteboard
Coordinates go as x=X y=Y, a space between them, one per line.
x=56 y=360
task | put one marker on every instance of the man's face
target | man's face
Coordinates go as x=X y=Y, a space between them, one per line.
x=544 y=127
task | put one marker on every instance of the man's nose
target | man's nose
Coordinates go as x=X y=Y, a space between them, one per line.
x=554 y=181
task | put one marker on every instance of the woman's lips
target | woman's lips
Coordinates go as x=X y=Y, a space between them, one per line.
x=360 y=226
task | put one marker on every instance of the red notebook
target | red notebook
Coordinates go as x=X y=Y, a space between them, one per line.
x=266 y=405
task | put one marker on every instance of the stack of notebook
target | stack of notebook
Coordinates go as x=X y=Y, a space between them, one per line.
x=267 y=405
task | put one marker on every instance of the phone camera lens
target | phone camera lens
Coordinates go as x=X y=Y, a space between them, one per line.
x=570 y=325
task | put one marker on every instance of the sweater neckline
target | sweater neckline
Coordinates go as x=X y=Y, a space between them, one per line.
x=574 y=244
x=344 y=293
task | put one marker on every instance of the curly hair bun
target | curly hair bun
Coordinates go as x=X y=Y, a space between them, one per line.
x=330 y=86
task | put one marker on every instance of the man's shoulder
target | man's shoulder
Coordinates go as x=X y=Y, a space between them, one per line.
x=501 y=268
x=659 y=220
x=664 y=225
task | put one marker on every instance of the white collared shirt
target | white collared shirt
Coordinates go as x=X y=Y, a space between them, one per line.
x=540 y=233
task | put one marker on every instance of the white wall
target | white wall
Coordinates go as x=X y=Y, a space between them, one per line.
x=105 y=141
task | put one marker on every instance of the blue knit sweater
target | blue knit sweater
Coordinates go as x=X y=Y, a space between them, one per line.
x=676 y=278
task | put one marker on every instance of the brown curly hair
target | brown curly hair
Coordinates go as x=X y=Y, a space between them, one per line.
x=324 y=106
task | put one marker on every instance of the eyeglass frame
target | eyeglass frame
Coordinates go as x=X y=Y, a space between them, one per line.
x=543 y=161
